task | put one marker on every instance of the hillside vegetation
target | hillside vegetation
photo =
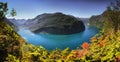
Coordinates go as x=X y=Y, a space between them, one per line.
x=104 y=47
x=109 y=19
x=10 y=42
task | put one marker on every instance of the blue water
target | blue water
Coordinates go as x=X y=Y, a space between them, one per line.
x=51 y=42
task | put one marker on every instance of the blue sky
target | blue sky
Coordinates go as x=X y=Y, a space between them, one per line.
x=79 y=8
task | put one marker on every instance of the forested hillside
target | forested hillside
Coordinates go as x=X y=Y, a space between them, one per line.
x=104 y=47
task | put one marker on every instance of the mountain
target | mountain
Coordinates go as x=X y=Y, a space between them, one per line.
x=18 y=22
x=84 y=20
x=11 y=24
x=97 y=20
x=56 y=23
x=53 y=23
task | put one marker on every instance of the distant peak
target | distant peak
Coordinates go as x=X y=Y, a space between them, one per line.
x=58 y=13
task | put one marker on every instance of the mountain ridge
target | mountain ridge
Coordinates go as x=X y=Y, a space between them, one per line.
x=54 y=23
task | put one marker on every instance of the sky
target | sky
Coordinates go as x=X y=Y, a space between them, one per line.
x=27 y=9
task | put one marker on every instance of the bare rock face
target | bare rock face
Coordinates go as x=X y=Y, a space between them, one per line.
x=56 y=23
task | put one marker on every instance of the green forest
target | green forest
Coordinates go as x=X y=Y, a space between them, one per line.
x=103 y=47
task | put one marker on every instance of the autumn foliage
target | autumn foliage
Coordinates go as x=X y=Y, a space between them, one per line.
x=85 y=45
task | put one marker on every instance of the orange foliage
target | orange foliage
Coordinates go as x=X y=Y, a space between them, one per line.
x=85 y=45
x=117 y=59
x=21 y=41
x=102 y=43
x=79 y=53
